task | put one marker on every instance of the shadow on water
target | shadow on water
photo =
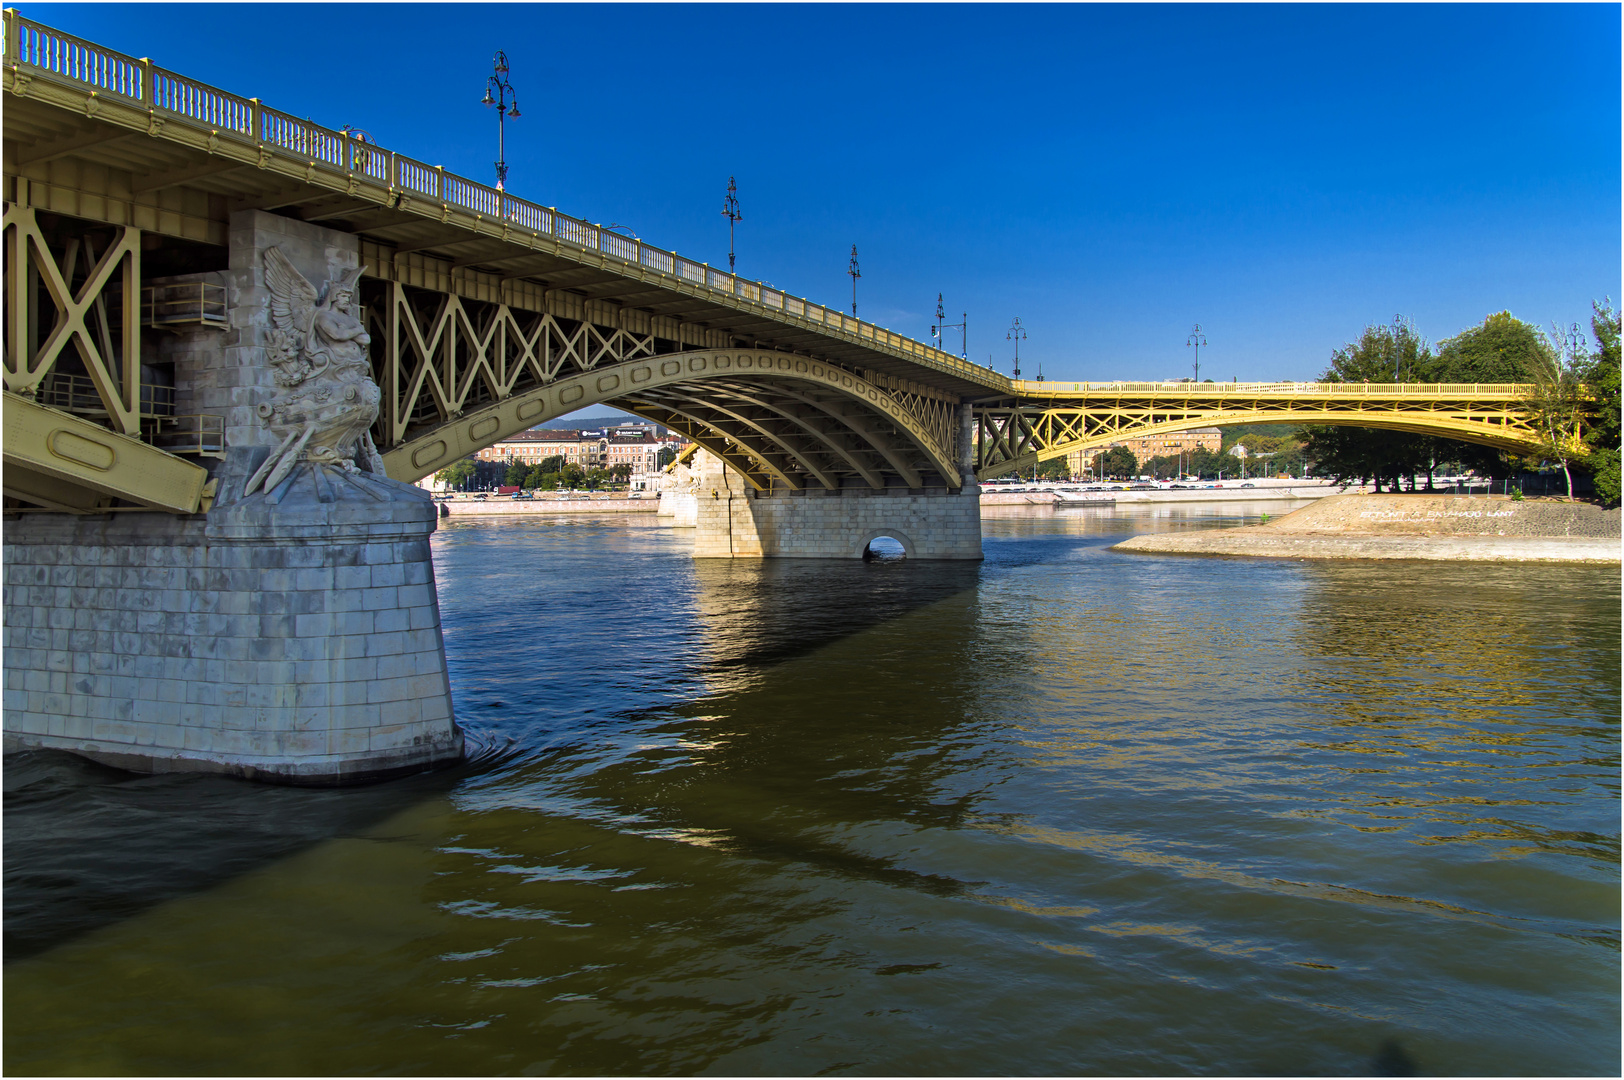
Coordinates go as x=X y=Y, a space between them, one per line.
x=87 y=845
x=753 y=614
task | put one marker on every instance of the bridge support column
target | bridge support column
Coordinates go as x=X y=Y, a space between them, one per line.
x=733 y=521
x=289 y=634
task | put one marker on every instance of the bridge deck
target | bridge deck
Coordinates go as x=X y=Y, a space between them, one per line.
x=109 y=137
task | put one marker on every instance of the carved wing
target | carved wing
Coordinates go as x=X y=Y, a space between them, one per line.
x=293 y=299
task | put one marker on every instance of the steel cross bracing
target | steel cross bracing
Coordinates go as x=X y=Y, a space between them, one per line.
x=1045 y=422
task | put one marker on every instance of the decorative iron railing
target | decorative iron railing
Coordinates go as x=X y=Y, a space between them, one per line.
x=44 y=50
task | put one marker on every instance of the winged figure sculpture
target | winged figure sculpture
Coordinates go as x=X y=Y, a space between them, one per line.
x=318 y=347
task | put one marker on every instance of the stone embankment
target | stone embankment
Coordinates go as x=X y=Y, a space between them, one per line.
x=502 y=507
x=1452 y=527
x=1262 y=490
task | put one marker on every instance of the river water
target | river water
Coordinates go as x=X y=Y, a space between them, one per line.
x=1066 y=811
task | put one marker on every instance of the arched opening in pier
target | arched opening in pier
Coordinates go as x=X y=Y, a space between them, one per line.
x=886 y=547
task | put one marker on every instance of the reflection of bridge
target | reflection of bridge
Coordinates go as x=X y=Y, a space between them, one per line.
x=149 y=352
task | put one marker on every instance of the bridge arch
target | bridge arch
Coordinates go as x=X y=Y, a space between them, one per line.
x=779 y=419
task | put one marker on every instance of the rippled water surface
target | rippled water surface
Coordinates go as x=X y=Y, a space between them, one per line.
x=1065 y=811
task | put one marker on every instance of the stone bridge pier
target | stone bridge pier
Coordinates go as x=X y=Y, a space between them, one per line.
x=291 y=632
x=733 y=520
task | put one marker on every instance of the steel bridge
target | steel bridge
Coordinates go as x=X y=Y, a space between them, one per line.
x=489 y=314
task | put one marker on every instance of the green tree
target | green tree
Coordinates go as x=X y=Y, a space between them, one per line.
x=571 y=475
x=457 y=474
x=1556 y=402
x=1602 y=379
x=621 y=474
x=551 y=464
x=1054 y=469
x=1383 y=354
x=1502 y=348
x=667 y=455
x=516 y=472
x=1119 y=462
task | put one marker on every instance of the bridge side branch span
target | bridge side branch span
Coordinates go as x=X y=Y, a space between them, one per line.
x=1016 y=434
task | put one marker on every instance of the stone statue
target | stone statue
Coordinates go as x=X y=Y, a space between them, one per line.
x=318 y=347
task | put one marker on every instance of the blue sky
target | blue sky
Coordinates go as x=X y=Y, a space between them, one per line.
x=1282 y=175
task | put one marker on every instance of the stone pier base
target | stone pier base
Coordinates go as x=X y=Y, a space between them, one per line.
x=281 y=638
x=734 y=521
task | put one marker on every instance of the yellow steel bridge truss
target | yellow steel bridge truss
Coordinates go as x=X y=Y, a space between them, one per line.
x=1049 y=420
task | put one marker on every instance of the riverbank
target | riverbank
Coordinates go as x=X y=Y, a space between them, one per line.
x=1266 y=490
x=507 y=507
x=1441 y=527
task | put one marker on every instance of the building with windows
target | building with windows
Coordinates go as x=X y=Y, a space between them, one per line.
x=1145 y=447
x=597 y=448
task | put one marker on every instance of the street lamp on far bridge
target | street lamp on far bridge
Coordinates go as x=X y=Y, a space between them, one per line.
x=1017 y=334
x=507 y=104
x=1197 y=339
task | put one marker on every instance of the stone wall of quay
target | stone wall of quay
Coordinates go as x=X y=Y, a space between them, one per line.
x=503 y=507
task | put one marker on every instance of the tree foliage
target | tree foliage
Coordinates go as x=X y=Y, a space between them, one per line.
x=1502 y=348
x=1556 y=401
x=1054 y=469
x=1119 y=463
x=1602 y=380
x=457 y=474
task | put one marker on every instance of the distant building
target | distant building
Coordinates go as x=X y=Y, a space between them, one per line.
x=596 y=448
x=1145 y=447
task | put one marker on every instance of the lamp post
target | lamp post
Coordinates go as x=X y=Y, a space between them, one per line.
x=942 y=326
x=730 y=210
x=1017 y=334
x=507 y=104
x=851 y=268
x=1196 y=339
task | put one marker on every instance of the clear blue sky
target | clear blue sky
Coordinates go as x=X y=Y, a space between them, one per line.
x=1282 y=175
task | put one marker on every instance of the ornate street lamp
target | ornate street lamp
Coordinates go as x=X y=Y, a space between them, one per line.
x=507 y=104
x=1197 y=340
x=851 y=268
x=730 y=210
x=1017 y=334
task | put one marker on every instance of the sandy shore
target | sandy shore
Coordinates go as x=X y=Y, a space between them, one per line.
x=1481 y=528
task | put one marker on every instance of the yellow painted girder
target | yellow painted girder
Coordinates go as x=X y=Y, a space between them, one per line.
x=59 y=459
x=464 y=435
x=1021 y=434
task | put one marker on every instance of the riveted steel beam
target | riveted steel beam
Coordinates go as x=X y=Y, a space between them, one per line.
x=45 y=447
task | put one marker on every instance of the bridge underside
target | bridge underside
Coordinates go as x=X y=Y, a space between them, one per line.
x=782 y=422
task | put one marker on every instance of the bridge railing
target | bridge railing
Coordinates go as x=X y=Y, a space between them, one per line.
x=41 y=49
x=1233 y=389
